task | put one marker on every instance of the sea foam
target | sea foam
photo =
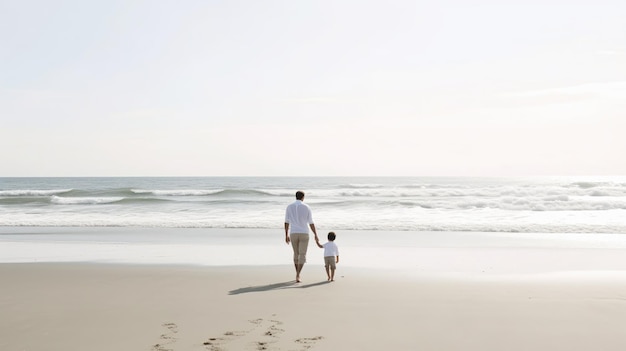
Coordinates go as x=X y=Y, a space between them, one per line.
x=84 y=200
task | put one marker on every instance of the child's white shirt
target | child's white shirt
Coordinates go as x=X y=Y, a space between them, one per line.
x=330 y=249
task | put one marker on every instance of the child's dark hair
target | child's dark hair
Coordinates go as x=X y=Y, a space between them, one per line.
x=331 y=236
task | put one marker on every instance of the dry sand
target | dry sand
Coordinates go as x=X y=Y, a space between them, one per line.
x=73 y=306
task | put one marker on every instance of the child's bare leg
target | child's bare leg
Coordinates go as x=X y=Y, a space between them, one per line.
x=332 y=274
x=327 y=272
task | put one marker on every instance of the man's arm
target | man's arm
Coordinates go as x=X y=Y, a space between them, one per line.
x=287 y=240
x=312 y=225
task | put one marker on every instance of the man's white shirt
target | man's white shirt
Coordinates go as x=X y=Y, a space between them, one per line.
x=299 y=216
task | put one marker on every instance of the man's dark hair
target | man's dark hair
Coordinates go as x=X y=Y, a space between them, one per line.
x=331 y=236
x=299 y=195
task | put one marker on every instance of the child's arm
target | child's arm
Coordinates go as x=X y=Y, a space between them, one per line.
x=337 y=259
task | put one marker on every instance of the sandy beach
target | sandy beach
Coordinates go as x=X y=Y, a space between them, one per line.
x=216 y=289
x=161 y=162
x=83 y=306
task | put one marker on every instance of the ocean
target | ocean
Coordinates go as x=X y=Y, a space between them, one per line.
x=446 y=204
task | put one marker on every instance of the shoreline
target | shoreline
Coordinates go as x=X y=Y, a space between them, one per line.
x=421 y=254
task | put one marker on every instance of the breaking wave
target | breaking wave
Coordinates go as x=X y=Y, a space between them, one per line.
x=432 y=204
x=34 y=192
x=84 y=200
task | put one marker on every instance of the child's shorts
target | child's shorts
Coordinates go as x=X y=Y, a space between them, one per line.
x=329 y=261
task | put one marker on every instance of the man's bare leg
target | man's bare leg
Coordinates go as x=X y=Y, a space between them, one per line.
x=299 y=243
x=298 y=270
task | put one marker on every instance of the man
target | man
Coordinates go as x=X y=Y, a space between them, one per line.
x=299 y=219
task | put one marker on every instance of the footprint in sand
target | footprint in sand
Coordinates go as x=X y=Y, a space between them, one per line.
x=217 y=344
x=166 y=338
x=308 y=343
x=266 y=333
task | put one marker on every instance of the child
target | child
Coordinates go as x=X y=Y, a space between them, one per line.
x=331 y=256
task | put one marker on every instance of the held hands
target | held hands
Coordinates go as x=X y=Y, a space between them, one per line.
x=317 y=241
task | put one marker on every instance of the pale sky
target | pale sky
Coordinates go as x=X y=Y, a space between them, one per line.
x=291 y=88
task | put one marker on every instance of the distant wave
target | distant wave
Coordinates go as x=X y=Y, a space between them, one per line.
x=248 y=192
x=513 y=204
x=589 y=185
x=84 y=200
x=33 y=192
x=362 y=186
x=177 y=192
x=483 y=192
x=353 y=190
x=204 y=192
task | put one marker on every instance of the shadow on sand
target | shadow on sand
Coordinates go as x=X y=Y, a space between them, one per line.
x=276 y=286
